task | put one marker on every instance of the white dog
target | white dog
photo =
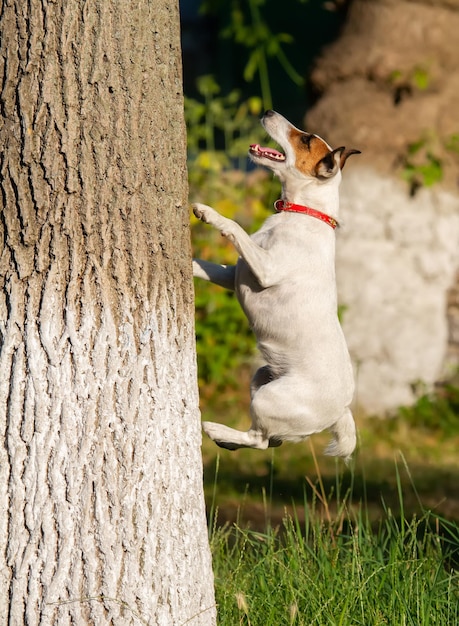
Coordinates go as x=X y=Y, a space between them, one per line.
x=285 y=283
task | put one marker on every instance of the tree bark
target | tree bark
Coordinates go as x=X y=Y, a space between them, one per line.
x=102 y=516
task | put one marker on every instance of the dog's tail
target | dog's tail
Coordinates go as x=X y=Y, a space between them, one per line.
x=344 y=438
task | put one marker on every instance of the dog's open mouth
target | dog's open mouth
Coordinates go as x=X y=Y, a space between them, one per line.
x=267 y=153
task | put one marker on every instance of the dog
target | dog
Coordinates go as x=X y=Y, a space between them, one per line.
x=285 y=282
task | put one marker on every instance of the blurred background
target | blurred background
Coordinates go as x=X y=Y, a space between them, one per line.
x=381 y=76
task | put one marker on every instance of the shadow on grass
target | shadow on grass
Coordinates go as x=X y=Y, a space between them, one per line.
x=397 y=497
x=255 y=488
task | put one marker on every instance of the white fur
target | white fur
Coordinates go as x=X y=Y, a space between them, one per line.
x=285 y=282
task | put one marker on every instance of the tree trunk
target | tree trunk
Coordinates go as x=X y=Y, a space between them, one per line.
x=102 y=515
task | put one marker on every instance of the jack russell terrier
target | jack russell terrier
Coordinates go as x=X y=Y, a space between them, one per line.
x=285 y=283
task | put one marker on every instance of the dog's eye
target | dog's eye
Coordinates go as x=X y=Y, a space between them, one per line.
x=306 y=139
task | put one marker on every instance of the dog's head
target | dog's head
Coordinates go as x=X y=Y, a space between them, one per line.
x=304 y=154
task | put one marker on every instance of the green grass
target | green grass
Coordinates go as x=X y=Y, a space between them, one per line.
x=334 y=565
x=299 y=538
x=316 y=574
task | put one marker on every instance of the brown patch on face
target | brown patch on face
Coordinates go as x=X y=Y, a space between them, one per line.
x=309 y=150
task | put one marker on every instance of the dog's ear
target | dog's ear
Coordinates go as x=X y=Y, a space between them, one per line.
x=345 y=154
x=329 y=164
x=332 y=161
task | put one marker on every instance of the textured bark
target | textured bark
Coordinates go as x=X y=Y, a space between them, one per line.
x=102 y=517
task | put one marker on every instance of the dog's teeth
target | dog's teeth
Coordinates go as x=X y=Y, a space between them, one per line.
x=268 y=153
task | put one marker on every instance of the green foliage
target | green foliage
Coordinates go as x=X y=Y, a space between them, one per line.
x=339 y=570
x=421 y=78
x=248 y=28
x=426 y=159
x=422 y=168
x=218 y=176
x=437 y=411
x=225 y=343
x=452 y=144
x=220 y=129
x=415 y=78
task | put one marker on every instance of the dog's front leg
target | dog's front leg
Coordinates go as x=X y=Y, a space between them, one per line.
x=258 y=259
x=222 y=275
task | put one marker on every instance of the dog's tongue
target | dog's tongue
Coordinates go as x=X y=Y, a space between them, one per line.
x=269 y=153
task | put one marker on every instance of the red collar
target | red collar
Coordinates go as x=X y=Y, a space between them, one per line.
x=283 y=205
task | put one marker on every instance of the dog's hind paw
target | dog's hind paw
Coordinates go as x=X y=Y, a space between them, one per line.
x=217 y=433
x=227 y=445
x=232 y=439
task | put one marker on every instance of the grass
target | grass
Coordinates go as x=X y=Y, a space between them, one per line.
x=334 y=564
x=351 y=574
x=298 y=538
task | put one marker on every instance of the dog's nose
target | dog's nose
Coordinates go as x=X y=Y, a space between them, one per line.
x=268 y=113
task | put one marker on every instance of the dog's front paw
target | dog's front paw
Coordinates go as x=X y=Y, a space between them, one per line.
x=211 y=216
x=204 y=213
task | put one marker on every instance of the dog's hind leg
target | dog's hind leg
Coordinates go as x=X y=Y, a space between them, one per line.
x=232 y=439
x=262 y=376
x=344 y=438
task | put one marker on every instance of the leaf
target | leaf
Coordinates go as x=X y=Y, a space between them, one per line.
x=207 y=85
x=252 y=65
x=416 y=146
x=255 y=106
x=432 y=172
x=453 y=143
x=421 y=78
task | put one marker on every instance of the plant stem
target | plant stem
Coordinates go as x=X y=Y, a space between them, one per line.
x=262 y=64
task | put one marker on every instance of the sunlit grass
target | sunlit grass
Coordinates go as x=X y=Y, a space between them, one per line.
x=316 y=573
x=332 y=563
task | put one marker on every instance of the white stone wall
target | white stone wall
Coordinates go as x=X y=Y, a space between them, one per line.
x=396 y=259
